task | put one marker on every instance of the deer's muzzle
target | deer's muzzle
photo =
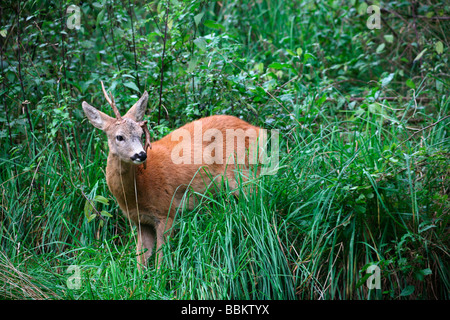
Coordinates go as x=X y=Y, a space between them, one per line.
x=139 y=157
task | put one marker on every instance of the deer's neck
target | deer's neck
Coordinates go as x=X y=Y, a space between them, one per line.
x=121 y=180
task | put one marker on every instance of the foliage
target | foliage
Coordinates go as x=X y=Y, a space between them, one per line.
x=364 y=172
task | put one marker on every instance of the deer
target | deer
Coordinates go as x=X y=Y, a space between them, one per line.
x=149 y=180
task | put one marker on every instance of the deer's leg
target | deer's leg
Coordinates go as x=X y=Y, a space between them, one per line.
x=146 y=240
x=161 y=234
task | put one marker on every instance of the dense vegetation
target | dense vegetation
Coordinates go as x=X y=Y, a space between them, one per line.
x=364 y=147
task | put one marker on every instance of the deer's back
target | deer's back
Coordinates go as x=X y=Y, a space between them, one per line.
x=164 y=177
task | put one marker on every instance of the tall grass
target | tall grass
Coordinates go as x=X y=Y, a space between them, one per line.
x=338 y=203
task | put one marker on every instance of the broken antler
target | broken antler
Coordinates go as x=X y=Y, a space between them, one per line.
x=147 y=144
x=144 y=127
x=111 y=101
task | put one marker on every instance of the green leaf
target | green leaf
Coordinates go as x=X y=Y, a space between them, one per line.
x=393 y=160
x=424 y=227
x=426 y=272
x=420 y=274
x=279 y=66
x=169 y=24
x=198 y=18
x=299 y=51
x=97 y=5
x=306 y=56
x=132 y=86
x=389 y=38
x=410 y=84
x=407 y=291
x=3 y=33
x=362 y=280
x=192 y=64
x=214 y=25
x=259 y=67
x=106 y=214
x=439 y=47
x=91 y=217
x=380 y=48
x=100 y=16
x=88 y=208
x=201 y=43
x=292 y=53
x=420 y=55
x=360 y=209
x=386 y=80
x=101 y=199
x=321 y=100
x=362 y=9
x=374 y=108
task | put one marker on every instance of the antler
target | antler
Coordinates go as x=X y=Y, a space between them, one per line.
x=144 y=127
x=147 y=144
x=111 y=102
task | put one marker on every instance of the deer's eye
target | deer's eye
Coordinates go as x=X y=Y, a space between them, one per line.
x=119 y=138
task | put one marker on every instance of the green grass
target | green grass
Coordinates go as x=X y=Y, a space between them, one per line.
x=361 y=181
x=338 y=203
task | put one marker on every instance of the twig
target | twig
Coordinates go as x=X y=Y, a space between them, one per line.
x=4 y=102
x=44 y=37
x=19 y=69
x=24 y=104
x=387 y=24
x=192 y=55
x=63 y=50
x=434 y=18
x=419 y=17
x=414 y=6
x=423 y=129
x=109 y=8
x=99 y=215
x=162 y=62
x=381 y=98
x=7 y=112
x=134 y=46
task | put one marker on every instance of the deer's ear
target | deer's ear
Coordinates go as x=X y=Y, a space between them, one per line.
x=137 y=111
x=97 y=118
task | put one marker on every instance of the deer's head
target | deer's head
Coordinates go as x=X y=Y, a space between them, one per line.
x=124 y=133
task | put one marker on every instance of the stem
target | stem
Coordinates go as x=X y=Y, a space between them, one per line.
x=34 y=184
x=7 y=113
x=192 y=55
x=63 y=52
x=162 y=62
x=112 y=33
x=134 y=45
x=423 y=129
x=19 y=60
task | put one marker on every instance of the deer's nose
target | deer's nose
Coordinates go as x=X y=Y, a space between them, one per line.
x=141 y=156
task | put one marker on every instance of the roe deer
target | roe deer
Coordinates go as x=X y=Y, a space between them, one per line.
x=149 y=181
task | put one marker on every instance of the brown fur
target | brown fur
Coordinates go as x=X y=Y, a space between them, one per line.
x=149 y=195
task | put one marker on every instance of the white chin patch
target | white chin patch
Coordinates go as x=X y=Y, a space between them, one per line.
x=138 y=161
